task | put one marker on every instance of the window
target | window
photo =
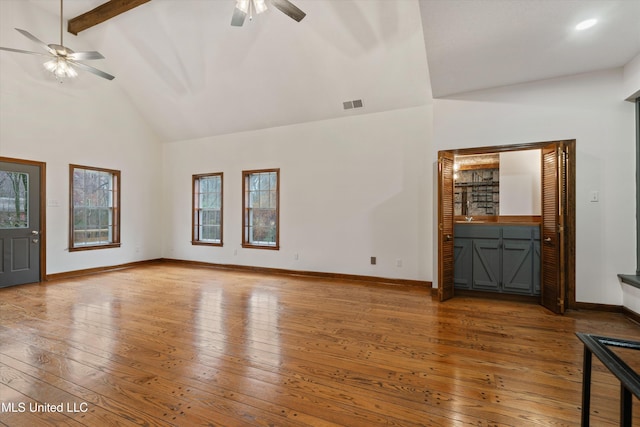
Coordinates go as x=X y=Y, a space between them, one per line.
x=260 y=206
x=95 y=208
x=14 y=197
x=207 y=210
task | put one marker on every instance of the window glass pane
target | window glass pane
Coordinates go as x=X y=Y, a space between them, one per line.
x=261 y=214
x=14 y=199
x=264 y=199
x=207 y=226
x=94 y=195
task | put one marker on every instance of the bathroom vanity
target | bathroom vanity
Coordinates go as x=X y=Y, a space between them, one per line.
x=497 y=257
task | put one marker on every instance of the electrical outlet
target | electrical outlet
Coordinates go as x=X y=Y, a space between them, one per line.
x=373 y=260
x=296 y=256
x=398 y=263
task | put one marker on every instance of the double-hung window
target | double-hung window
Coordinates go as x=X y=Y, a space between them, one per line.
x=95 y=208
x=260 y=206
x=207 y=210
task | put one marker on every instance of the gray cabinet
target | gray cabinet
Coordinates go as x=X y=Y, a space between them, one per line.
x=497 y=258
x=462 y=273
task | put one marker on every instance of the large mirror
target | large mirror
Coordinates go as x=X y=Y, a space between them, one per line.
x=497 y=184
x=476 y=185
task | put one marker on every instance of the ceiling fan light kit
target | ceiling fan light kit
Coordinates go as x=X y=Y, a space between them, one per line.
x=63 y=61
x=60 y=68
x=246 y=8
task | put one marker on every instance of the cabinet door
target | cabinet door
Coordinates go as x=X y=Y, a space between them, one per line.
x=462 y=273
x=517 y=262
x=486 y=264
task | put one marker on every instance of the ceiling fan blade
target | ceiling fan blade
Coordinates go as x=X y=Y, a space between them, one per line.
x=24 y=51
x=31 y=37
x=288 y=8
x=238 y=17
x=92 y=70
x=84 y=56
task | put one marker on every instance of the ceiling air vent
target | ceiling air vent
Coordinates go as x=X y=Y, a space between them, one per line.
x=356 y=103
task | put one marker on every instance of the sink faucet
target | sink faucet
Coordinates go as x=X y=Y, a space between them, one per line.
x=468 y=218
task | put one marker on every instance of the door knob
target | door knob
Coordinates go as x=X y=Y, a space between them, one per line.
x=547 y=240
x=448 y=238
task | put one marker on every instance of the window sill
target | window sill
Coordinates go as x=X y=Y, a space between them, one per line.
x=92 y=247
x=630 y=279
x=205 y=243
x=254 y=246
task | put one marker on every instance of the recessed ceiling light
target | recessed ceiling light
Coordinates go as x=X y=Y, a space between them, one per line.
x=586 y=24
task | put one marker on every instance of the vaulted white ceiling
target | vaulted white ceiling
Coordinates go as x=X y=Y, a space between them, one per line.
x=192 y=75
x=480 y=44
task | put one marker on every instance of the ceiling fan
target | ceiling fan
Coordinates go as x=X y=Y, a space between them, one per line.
x=247 y=7
x=63 y=60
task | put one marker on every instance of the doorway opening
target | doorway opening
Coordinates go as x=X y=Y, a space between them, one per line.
x=556 y=219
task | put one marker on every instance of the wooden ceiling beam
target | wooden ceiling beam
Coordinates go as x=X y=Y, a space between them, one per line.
x=101 y=13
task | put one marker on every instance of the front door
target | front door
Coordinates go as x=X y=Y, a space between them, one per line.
x=19 y=223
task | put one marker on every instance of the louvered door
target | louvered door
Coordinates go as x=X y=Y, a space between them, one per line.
x=445 y=226
x=554 y=191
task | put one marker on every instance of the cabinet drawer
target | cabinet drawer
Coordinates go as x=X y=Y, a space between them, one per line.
x=475 y=231
x=517 y=232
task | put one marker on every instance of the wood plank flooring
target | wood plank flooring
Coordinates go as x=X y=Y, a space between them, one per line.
x=169 y=344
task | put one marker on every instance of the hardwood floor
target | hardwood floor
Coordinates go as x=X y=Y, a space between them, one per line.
x=169 y=344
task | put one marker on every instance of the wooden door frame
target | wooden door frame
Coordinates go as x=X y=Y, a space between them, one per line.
x=43 y=208
x=570 y=225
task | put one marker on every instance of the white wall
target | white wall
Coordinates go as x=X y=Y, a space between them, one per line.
x=351 y=188
x=631 y=79
x=88 y=122
x=590 y=109
x=520 y=182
